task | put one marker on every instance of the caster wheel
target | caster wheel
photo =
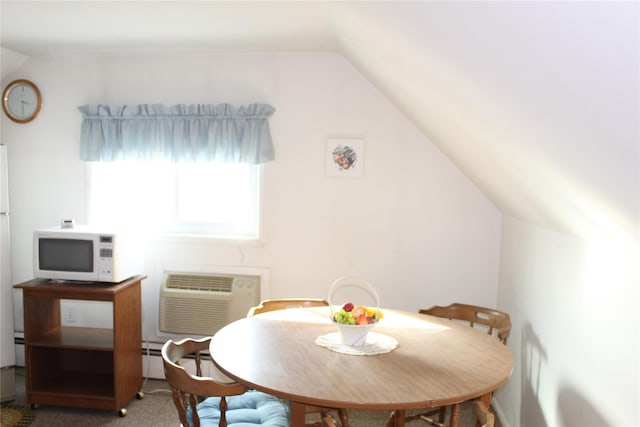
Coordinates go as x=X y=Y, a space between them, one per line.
x=140 y=395
x=122 y=412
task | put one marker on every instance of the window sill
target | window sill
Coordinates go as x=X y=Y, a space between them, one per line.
x=205 y=238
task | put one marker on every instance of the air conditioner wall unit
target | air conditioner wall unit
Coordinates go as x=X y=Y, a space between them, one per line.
x=197 y=303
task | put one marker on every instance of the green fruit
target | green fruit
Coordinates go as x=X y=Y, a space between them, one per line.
x=344 y=317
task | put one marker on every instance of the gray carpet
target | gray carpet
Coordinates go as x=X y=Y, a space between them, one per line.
x=156 y=409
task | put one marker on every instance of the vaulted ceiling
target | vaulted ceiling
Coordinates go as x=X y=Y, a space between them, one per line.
x=537 y=102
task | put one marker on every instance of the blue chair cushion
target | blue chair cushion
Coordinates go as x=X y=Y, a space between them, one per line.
x=251 y=409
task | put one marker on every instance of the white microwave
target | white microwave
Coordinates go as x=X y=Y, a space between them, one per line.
x=84 y=254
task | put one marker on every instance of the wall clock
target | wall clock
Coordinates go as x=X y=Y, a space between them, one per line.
x=21 y=101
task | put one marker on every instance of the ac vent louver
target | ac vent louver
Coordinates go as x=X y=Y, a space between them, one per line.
x=200 y=283
x=202 y=303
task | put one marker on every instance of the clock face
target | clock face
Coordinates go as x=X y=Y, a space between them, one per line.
x=21 y=101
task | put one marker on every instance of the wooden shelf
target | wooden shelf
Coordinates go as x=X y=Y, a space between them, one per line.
x=76 y=337
x=77 y=384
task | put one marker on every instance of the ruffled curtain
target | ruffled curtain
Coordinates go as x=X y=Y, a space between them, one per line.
x=180 y=133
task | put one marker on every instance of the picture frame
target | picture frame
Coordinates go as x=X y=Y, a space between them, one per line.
x=344 y=157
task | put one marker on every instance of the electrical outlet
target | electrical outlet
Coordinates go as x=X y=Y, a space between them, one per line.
x=71 y=315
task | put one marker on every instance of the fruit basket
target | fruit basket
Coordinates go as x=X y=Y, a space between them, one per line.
x=354 y=322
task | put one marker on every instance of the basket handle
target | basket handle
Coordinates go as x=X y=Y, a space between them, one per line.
x=353 y=282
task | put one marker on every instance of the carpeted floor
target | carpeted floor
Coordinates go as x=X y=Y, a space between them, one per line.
x=156 y=409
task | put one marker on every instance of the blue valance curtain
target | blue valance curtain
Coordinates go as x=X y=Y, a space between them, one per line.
x=180 y=133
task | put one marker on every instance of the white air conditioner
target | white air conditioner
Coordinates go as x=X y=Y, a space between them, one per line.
x=202 y=303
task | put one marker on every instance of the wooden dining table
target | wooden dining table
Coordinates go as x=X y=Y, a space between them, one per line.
x=436 y=362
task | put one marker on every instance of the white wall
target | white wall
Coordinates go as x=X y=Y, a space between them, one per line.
x=574 y=307
x=414 y=226
x=537 y=102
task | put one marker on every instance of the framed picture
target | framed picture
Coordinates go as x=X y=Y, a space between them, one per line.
x=345 y=157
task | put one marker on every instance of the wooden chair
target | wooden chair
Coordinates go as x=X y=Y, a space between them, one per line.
x=284 y=303
x=496 y=323
x=484 y=417
x=204 y=400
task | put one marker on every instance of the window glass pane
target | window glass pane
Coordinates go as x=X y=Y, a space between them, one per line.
x=219 y=200
x=204 y=198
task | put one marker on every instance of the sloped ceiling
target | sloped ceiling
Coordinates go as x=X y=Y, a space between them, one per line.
x=537 y=102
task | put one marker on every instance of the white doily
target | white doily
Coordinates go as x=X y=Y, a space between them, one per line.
x=375 y=344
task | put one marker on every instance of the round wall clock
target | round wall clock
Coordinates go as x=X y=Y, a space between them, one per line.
x=21 y=101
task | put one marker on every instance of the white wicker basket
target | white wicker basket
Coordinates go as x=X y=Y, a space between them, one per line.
x=353 y=335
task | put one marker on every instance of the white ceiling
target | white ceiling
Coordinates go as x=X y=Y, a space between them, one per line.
x=55 y=27
x=537 y=102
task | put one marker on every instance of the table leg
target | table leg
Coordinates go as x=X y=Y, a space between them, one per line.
x=454 y=421
x=296 y=414
x=399 y=418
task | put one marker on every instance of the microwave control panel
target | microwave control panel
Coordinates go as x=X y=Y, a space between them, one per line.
x=106 y=254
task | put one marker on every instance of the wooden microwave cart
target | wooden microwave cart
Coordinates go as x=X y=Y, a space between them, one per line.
x=83 y=367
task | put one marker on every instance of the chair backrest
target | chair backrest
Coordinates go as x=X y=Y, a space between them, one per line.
x=497 y=322
x=281 y=304
x=188 y=389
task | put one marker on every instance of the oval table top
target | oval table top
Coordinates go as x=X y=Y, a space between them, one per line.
x=437 y=361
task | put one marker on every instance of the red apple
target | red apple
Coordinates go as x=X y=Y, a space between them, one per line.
x=348 y=306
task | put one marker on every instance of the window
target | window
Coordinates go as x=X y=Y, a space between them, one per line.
x=215 y=199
